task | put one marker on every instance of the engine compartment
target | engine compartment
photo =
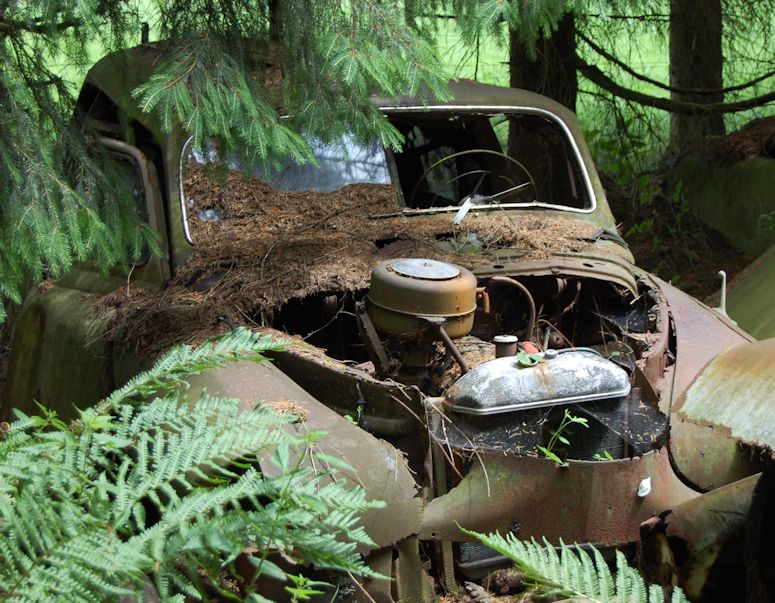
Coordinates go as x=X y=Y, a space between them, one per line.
x=431 y=328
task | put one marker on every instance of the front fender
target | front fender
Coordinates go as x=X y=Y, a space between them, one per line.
x=377 y=466
x=735 y=394
x=702 y=455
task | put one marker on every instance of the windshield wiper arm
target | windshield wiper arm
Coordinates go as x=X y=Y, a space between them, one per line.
x=481 y=203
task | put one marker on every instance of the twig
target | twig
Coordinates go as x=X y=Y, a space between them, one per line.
x=129 y=278
x=360 y=586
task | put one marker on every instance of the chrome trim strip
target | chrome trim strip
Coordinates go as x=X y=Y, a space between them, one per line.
x=183 y=214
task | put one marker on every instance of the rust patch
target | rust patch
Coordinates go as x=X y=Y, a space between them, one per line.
x=287 y=407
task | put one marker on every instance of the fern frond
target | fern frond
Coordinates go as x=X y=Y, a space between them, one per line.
x=169 y=370
x=574 y=573
x=170 y=489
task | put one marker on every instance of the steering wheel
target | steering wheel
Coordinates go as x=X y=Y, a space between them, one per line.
x=483 y=173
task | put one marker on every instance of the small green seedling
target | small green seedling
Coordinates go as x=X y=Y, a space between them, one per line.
x=568 y=419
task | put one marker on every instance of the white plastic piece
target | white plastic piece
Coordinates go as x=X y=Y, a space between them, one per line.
x=644 y=488
x=461 y=213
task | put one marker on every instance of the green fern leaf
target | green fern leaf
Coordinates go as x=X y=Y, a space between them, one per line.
x=573 y=573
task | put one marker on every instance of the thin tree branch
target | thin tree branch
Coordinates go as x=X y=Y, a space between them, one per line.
x=38 y=26
x=594 y=75
x=704 y=91
x=652 y=17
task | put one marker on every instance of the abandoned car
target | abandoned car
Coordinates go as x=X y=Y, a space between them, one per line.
x=453 y=309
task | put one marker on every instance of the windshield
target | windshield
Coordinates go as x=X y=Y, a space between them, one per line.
x=451 y=161
x=488 y=159
x=339 y=165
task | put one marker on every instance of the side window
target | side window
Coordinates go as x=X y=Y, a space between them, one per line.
x=133 y=169
x=129 y=172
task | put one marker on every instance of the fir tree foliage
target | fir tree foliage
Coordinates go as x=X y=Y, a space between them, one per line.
x=59 y=202
x=528 y=18
x=259 y=77
x=572 y=572
x=170 y=491
x=332 y=57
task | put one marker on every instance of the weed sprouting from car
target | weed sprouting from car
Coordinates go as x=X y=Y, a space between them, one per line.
x=559 y=435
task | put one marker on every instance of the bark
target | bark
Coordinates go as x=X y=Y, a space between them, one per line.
x=274 y=20
x=553 y=71
x=696 y=62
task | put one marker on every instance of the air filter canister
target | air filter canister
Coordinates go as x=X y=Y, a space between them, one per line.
x=404 y=290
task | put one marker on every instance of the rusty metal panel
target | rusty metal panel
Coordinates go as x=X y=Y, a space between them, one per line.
x=377 y=466
x=737 y=393
x=601 y=266
x=588 y=501
x=700 y=335
x=701 y=455
x=683 y=545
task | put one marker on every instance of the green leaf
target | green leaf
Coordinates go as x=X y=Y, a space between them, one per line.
x=525 y=359
x=552 y=456
x=264 y=566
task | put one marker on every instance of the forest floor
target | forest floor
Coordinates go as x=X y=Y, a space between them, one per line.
x=673 y=244
x=666 y=238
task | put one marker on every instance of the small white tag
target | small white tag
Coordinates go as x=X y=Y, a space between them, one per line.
x=644 y=489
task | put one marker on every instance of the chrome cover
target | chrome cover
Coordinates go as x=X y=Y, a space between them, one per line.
x=563 y=377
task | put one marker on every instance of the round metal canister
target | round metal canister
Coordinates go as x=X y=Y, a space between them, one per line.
x=403 y=290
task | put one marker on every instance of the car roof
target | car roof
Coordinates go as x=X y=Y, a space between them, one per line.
x=118 y=74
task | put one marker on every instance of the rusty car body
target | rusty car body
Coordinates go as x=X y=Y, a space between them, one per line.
x=405 y=347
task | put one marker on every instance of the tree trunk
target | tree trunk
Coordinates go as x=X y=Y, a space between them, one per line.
x=553 y=72
x=696 y=62
x=274 y=20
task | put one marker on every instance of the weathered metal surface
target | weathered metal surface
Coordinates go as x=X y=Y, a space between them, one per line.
x=685 y=544
x=588 y=501
x=751 y=294
x=735 y=392
x=600 y=266
x=700 y=334
x=702 y=455
x=377 y=466
x=386 y=409
x=409 y=581
x=567 y=376
x=58 y=357
x=655 y=362
x=403 y=290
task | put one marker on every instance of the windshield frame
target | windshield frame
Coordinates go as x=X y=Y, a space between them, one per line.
x=460 y=109
x=505 y=110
